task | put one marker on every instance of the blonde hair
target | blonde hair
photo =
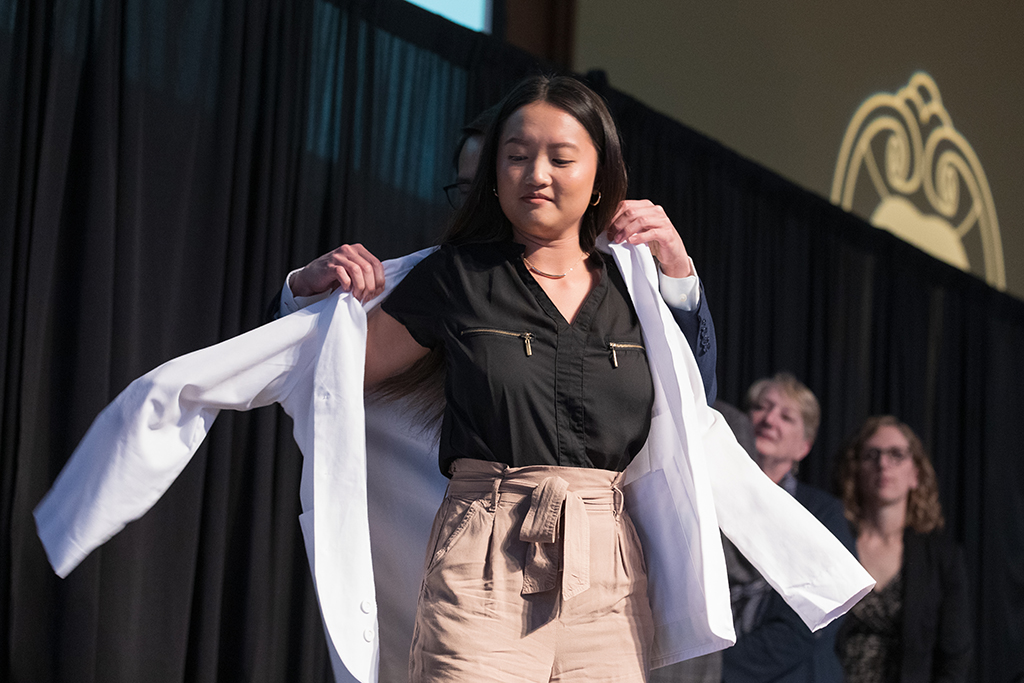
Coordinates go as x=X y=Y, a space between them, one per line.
x=924 y=511
x=793 y=388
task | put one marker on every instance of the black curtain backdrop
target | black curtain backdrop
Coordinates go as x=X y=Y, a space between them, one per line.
x=164 y=163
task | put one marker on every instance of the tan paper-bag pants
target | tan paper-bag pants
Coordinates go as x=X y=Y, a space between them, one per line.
x=533 y=574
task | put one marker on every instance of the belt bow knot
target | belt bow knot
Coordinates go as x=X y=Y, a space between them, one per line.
x=546 y=554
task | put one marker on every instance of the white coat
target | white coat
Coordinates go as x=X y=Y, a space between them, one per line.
x=691 y=477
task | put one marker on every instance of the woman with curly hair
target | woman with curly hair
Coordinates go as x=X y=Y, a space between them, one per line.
x=914 y=625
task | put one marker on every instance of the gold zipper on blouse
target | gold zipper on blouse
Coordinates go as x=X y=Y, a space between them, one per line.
x=527 y=337
x=614 y=346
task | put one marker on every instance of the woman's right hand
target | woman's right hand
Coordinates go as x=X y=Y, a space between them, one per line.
x=351 y=267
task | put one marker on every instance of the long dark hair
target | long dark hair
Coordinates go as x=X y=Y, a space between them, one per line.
x=480 y=219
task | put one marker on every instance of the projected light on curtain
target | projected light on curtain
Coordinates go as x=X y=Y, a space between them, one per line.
x=903 y=164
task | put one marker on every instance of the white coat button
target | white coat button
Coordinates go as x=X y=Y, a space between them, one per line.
x=368 y=635
x=366 y=606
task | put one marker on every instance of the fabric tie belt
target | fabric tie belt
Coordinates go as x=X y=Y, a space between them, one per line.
x=546 y=554
x=556 y=525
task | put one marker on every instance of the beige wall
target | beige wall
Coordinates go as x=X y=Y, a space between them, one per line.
x=779 y=81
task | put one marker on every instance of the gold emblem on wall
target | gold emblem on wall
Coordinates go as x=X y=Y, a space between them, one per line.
x=905 y=166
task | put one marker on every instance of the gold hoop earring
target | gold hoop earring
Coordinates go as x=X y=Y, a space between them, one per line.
x=596 y=201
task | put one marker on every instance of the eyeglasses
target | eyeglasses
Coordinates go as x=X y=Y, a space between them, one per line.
x=896 y=455
x=457 y=192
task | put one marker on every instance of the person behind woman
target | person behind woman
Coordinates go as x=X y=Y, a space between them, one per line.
x=772 y=644
x=914 y=625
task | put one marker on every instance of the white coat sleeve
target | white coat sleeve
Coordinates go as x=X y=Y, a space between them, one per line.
x=311 y=362
x=139 y=444
x=693 y=464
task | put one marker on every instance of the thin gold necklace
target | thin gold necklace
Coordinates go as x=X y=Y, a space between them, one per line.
x=553 y=276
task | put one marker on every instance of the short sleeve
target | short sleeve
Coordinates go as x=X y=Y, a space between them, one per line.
x=421 y=300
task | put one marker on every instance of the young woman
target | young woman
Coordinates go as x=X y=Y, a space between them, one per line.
x=552 y=391
x=914 y=626
x=548 y=399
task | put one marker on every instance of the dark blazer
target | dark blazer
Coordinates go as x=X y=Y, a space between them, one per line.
x=936 y=616
x=781 y=649
x=936 y=644
x=699 y=330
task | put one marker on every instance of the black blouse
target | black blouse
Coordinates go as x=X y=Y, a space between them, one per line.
x=524 y=387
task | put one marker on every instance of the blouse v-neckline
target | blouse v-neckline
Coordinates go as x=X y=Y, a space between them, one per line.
x=581 y=322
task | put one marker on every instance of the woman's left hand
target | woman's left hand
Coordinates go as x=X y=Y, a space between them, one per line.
x=638 y=221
